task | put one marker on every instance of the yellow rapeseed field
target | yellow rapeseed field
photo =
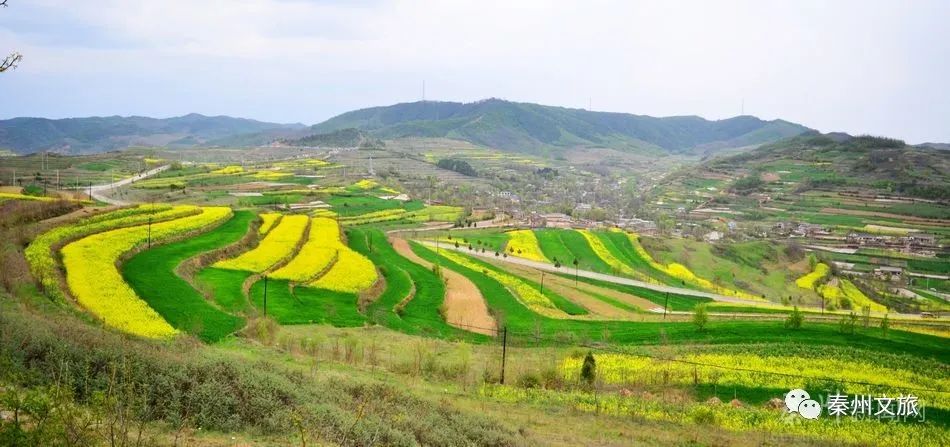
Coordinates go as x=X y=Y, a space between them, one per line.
x=351 y=273
x=275 y=247
x=316 y=254
x=529 y=296
x=40 y=254
x=98 y=286
x=604 y=254
x=681 y=272
x=523 y=243
x=267 y=222
x=228 y=170
x=808 y=281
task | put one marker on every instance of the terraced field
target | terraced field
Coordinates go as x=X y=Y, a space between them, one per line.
x=152 y=275
x=99 y=287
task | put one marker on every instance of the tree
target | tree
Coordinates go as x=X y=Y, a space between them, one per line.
x=794 y=320
x=700 y=317
x=885 y=325
x=589 y=369
x=10 y=62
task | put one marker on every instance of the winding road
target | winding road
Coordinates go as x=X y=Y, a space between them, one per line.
x=98 y=191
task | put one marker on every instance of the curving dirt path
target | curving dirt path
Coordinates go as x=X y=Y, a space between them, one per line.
x=464 y=305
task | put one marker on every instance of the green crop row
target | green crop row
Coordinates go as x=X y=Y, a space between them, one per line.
x=151 y=274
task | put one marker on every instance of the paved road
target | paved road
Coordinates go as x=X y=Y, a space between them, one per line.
x=98 y=191
x=627 y=281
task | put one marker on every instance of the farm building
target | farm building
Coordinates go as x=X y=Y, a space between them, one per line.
x=889 y=273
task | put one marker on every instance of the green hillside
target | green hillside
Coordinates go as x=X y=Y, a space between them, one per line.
x=532 y=127
x=98 y=134
x=840 y=162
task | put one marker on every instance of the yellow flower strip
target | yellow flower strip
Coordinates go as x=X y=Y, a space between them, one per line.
x=98 y=286
x=524 y=244
x=351 y=273
x=623 y=369
x=14 y=196
x=275 y=247
x=39 y=254
x=859 y=299
x=529 y=296
x=698 y=415
x=267 y=222
x=808 y=281
x=604 y=254
x=228 y=170
x=315 y=254
x=683 y=273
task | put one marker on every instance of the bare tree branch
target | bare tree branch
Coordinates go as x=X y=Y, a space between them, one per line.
x=11 y=61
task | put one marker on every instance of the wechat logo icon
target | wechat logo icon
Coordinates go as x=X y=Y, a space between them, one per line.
x=798 y=401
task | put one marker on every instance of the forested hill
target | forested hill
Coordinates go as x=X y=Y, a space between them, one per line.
x=97 y=134
x=840 y=161
x=532 y=127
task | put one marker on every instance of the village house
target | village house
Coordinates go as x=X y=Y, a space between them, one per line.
x=557 y=220
x=888 y=273
x=865 y=239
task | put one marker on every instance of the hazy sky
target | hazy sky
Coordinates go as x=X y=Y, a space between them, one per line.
x=860 y=67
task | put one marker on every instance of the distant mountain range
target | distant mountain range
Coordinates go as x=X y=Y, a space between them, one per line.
x=496 y=123
x=529 y=127
x=98 y=134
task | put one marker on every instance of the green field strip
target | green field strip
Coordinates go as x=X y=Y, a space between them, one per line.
x=523 y=324
x=677 y=302
x=567 y=306
x=421 y=314
x=620 y=246
x=306 y=305
x=226 y=286
x=568 y=245
x=151 y=274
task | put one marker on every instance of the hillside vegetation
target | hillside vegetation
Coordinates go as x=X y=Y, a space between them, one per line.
x=882 y=164
x=532 y=127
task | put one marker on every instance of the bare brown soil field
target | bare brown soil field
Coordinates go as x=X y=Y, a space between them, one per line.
x=465 y=307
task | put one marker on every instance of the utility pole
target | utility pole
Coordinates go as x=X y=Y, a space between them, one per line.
x=149 y=231
x=265 y=296
x=58 y=185
x=504 y=352
x=90 y=191
x=666 y=305
x=14 y=176
x=542 y=282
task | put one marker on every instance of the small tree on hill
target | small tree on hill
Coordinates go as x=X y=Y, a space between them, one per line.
x=794 y=320
x=700 y=317
x=589 y=369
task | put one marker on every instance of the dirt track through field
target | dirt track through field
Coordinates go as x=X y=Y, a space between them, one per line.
x=599 y=309
x=464 y=305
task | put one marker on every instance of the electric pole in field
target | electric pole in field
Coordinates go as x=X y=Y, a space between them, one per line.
x=504 y=352
x=265 y=296
x=542 y=282
x=666 y=305
x=149 y=231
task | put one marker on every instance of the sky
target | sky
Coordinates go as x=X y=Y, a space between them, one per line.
x=863 y=67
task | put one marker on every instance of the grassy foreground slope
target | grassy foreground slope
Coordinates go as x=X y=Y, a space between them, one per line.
x=151 y=274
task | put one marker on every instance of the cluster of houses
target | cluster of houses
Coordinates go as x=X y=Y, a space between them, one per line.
x=911 y=241
x=800 y=229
